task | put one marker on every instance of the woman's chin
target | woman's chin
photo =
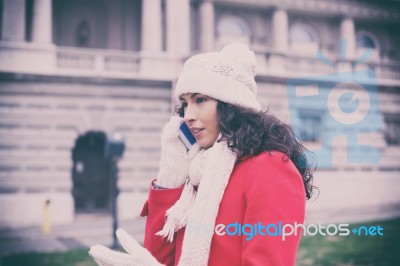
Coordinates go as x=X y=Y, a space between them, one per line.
x=205 y=144
x=207 y=141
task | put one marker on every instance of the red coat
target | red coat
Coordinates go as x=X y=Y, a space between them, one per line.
x=262 y=188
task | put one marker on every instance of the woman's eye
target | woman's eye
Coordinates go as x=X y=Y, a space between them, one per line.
x=184 y=105
x=201 y=100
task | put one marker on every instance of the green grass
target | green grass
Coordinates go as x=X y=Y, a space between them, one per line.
x=78 y=257
x=352 y=249
x=314 y=250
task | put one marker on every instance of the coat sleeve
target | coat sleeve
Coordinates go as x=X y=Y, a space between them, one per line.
x=158 y=202
x=274 y=194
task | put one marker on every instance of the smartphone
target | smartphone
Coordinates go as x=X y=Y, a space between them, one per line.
x=186 y=136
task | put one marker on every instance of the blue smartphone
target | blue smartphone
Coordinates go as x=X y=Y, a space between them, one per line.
x=186 y=136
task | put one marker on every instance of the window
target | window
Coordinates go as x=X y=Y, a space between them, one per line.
x=83 y=34
x=310 y=126
x=392 y=131
x=233 y=28
x=302 y=34
x=365 y=40
x=28 y=20
x=84 y=24
x=303 y=39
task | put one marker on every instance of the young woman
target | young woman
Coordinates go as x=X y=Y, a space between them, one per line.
x=234 y=198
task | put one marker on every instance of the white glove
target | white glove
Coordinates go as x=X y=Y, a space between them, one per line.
x=136 y=256
x=175 y=158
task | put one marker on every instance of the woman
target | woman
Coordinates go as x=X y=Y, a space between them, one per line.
x=224 y=202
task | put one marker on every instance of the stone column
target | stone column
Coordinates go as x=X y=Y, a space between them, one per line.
x=280 y=30
x=42 y=22
x=348 y=34
x=280 y=40
x=151 y=26
x=13 y=24
x=178 y=27
x=207 y=26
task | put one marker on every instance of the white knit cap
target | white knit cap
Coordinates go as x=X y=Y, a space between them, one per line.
x=227 y=76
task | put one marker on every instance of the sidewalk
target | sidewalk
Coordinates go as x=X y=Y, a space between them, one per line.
x=84 y=232
x=88 y=230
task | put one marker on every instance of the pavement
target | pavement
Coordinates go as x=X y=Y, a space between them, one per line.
x=90 y=229
x=84 y=232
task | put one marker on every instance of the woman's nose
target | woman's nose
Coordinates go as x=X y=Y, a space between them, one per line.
x=189 y=114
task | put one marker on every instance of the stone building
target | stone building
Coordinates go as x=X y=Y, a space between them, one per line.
x=74 y=73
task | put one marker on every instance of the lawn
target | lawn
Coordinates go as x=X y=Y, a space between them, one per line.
x=353 y=249
x=314 y=250
x=72 y=258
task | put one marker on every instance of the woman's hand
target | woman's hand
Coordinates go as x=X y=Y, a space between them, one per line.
x=175 y=158
x=136 y=256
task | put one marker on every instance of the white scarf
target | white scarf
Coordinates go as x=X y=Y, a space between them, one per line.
x=197 y=209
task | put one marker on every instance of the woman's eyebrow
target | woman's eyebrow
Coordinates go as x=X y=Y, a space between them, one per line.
x=191 y=96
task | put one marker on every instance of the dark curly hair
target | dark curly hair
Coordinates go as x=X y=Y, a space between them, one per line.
x=250 y=133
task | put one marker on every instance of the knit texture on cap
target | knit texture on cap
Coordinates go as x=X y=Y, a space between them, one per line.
x=227 y=75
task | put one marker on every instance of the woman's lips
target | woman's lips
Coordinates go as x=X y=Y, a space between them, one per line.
x=197 y=132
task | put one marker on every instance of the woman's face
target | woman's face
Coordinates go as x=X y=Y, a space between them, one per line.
x=200 y=115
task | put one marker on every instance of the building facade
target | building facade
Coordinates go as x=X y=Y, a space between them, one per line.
x=76 y=73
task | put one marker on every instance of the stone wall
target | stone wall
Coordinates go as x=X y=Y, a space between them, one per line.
x=40 y=121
